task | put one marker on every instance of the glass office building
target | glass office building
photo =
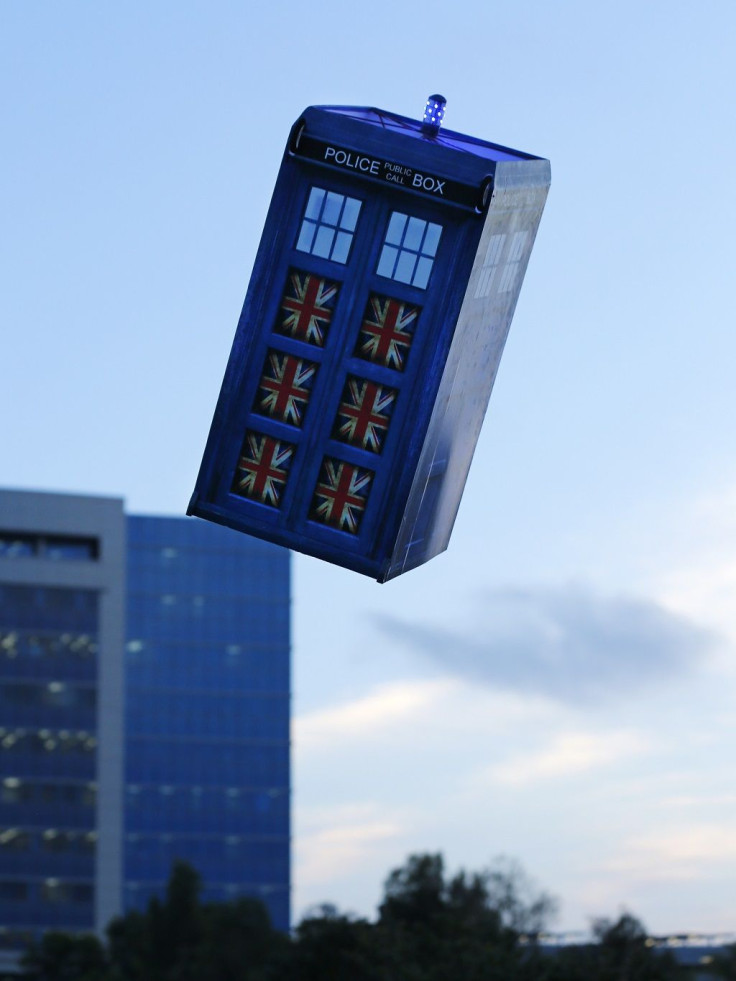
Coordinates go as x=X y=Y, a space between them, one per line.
x=144 y=714
x=49 y=745
x=207 y=712
x=62 y=611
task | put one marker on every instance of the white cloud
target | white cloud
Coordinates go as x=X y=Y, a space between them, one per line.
x=568 y=755
x=689 y=852
x=701 y=582
x=335 y=842
x=389 y=705
x=711 y=800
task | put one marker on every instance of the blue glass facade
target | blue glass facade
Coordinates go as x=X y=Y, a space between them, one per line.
x=48 y=749
x=137 y=728
x=207 y=664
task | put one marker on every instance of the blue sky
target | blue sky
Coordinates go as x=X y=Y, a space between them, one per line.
x=558 y=686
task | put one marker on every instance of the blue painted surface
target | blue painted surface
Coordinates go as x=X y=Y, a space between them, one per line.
x=374 y=504
x=447 y=137
x=207 y=716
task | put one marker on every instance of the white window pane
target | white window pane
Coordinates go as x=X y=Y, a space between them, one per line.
x=405 y=266
x=414 y=234
x=483 y=288
x=432 y=239
x=387 y=261
x=323 y=241
x=333 y=206
x=350 y=214
x=518 y=243
x=306 y=236
x=316 y=197
x=396 y=228
x=493 y=252
x=508 y=277
x=421 y=276
x=342 y=247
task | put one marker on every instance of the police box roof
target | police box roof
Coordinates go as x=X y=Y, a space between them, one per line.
x=370 y=130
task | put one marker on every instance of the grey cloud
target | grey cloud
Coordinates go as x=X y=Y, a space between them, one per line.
x=566 y=643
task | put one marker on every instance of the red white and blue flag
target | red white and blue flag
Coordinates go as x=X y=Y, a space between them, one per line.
x=341 y=495
x=285 y=387
x=364 y=414
x=306 y=307
x=387 y=331
x=263 y=469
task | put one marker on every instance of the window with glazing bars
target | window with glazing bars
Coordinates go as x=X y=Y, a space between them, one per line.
x=328 y=225
x=409 y=250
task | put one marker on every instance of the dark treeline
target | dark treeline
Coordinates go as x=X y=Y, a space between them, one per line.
x=471 y=927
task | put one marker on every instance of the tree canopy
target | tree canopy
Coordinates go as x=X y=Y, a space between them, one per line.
x=471 y=926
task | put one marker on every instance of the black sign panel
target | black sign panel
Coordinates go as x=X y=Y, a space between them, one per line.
x=387 y=172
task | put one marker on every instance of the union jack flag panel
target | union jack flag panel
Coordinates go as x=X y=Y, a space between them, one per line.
x=364 y=414
x=306 y=307
x=387 y=331
x=285 y=387
x=341 y=495
x=262 y=469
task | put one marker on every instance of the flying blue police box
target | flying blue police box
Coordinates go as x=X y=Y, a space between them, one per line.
x=383 y=290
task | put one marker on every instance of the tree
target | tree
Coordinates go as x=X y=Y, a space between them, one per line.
x=514 y=895
x=501 y=897
x=414 y=893
x=239 y=944
x=159 y=945
x=129 y=943
x=181 y=939
x=724 y=965
x=626 y=954
x=334 y=946
x=473 y=926
x=447 y=927
x=65 y=957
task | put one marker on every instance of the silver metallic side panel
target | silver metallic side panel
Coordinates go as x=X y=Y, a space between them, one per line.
x=509 y=230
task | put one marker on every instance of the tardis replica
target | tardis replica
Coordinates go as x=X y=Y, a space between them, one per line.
x=383 y=290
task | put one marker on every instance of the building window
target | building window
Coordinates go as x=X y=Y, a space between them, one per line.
x=14 y=839
x=517 y=250
x=409 y=250
x=13 y=891
x=21 y=545
x=13 y=545
x=46 y=741
x=491 y=263
x=328 y=225
x=56 y=891
x=55 y=840
x=15 y=939
x=14 y=791
x=71 y=549
x=509 y=269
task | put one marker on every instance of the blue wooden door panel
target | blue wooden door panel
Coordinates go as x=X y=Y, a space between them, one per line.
x=337 y=367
